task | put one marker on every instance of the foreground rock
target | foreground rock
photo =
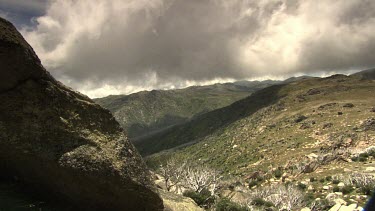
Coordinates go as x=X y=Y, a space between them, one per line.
x=61 y=142
x=174 y=202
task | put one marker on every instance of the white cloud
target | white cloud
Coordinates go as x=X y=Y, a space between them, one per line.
x=108 y=47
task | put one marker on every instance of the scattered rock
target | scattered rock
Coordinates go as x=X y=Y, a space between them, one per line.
x=306 y=209
x=370 y=169
x=313 y=91
x=331 y=196
x=300 y=118
x=305 y=126
x=327 y=125
x=325 y=106
x=336 y=207
x=341 y=184
x=351 y=207
x=340 y=201
x=369 y=124
x=348 y=105
x=325 y=187
x=175 y=202
x=312 y=156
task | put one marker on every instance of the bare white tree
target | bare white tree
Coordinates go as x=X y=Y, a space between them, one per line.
x=198 y=178
x=283 y=197
x=173 y=173
x=177 y=174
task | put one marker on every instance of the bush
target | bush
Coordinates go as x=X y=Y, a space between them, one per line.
x=301 y=186
x=371 y=152
x=347 y=189
x=364 y=155
x=355 y=159
x=203 y=199
x=335 y=181
x=278 y=173
x=312 y=179
x=323 y=204
x=225 y=204
x=364 y=182
x=328 y=178
x=253 y=183
x=309 y=198
x=336 y=189
x=322 y=180
x=367 y=190
x=261 y=202
x=362 y=159
x=281 y=196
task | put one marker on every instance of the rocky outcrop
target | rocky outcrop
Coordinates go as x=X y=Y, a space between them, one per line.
x=175 y=202
x=60 y=141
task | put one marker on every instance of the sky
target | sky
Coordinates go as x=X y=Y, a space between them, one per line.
x=102 y=47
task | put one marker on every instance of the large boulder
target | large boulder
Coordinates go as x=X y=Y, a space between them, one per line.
x=61 y=142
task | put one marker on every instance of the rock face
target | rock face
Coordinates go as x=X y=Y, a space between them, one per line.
x=61 y=141
x=175 y=202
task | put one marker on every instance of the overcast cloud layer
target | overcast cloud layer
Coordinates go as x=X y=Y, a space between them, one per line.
x=110 y=47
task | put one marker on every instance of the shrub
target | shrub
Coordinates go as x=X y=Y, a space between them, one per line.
x=371 y=152
x=347 y=189
x=203 y=199
x=301 y=186
x=355 y=159
x=323 y=204
x=261 y=202
x=322 y=180
x=225 y=204
x=336 y=189
x=278 y=173
x=253 y=183
x=258 y=202
x=362 y=159
x=309 y=198
x=281 y=196
x=312 y=179
x=328 y=178
x=365 y=182
x=335 y=181
x=364 y=155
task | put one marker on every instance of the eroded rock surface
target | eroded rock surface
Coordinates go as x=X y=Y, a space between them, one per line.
x=61 y=141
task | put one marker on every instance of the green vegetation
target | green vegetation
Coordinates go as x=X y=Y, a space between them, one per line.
x=261 y=202
x=224 y=204
x=347 y=189
x=253 y=183
x=260 y=131
x=203 y=198
x=335 y=181
x=301 y=186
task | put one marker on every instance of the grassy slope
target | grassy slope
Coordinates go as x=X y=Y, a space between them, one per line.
x=260 y=131
x=146 y=112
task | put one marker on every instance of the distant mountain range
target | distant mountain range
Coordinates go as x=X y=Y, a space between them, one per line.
x=171 y=119
x=148 y=112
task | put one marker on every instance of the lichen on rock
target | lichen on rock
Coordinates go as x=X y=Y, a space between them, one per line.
x=61 y=141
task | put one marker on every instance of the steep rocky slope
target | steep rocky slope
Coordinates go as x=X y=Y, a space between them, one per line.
x=366 y=74
x=279 y=124
x=151 y=111
x=309 y=143
x=61 y=142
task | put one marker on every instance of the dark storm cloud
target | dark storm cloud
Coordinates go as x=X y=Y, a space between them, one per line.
x=21 y=12
x=102 y=47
